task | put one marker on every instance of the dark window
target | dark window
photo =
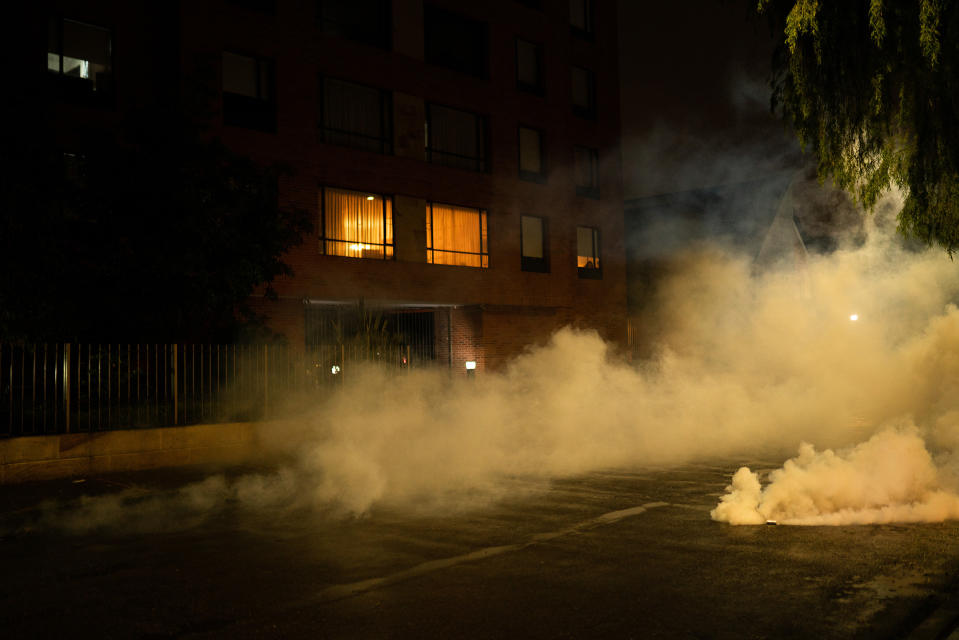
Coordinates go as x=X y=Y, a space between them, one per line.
x=532 y=164
x=456 y=235
x=356 y=224
x=583 y=92
x=529 y=67
x=587 y=253
x=263 y=6
x=586 y=171
x=81 y=55
x=354 y=115
x=535 y=245
x=367 y=21
x=455 y=138
x=248 y=93
x=581 y=17
x=455 y=41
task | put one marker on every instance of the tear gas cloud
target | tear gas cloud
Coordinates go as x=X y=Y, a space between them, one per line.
x=745 y=364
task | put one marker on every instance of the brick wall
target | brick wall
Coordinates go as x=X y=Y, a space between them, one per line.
x=497 y=311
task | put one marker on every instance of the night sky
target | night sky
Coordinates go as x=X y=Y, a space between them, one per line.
x=695 y=96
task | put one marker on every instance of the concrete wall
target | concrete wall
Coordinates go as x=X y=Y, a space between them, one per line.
x=79 y=454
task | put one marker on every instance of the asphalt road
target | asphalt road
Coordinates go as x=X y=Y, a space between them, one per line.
x=619 y=554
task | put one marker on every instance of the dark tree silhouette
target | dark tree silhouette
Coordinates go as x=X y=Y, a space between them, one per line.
x=154 y=232
x=872 y=88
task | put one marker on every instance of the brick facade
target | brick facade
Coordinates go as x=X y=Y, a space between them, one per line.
x=487 y=315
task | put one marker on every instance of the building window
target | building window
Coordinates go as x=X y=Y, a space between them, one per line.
x=366 y=21
x=455 y=41
x=248 y=95
x=354 y=115
x=581 y=17
x=531 y=160
x=587 y=253
x=455 y=138
x=82 y=54
x=583 y=92
x=586 y=171
x=356 y=224
x=529 y=67
x=535 y=254
x=456 y=235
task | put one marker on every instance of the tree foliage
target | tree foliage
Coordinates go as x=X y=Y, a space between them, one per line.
x=150 y=233
x=871 y=87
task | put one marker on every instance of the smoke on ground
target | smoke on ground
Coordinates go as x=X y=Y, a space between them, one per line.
x=746 y=364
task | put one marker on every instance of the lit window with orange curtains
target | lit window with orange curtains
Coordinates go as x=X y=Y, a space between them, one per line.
x=356 y=224
x=456 y=235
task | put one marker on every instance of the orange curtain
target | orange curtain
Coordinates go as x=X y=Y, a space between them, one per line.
x=587 y=248
x=456 y=236
x=355 y=225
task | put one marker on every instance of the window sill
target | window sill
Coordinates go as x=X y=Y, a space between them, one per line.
x=534 y=265
x=589 y=273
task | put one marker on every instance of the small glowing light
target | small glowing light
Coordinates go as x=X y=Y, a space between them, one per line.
x=470 y=365
x=371 y=197
x=335 y=369
x=854 y=317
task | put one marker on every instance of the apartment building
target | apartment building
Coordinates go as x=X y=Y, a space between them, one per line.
x=461 y=160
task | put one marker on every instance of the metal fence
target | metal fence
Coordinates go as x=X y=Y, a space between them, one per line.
x=68 y=388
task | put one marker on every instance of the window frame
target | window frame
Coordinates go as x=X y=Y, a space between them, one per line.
x=75 y=86
x=250 y=112
x=385 y=141
x=481 y=162
x=531 y=176
x=587 y=111
x=323 y=238
x=591 y=190
x=590 y=273
x=435 y=52
x=587 y=31
x=539 y=88
x=531 y=263
x=483 y=230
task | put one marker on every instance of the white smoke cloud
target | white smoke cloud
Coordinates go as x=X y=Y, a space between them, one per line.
x=889 y=478
x=746 y=365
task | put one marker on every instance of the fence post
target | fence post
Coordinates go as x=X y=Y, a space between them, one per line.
x=174 y=381
x=66 y=385
x=266 y=380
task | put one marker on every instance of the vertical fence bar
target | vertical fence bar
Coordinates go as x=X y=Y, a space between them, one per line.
x=44 y=414
x=173 y=376
x=66 y=386
x=109 y=386
x=55 y=390
x=266 y=380
x=33 y=389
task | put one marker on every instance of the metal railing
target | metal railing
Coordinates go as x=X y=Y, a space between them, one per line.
x=72 y=388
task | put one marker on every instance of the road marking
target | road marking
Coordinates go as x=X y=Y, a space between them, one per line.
x=341 y=591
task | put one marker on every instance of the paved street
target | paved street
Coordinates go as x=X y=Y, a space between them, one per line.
x=608 y=555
